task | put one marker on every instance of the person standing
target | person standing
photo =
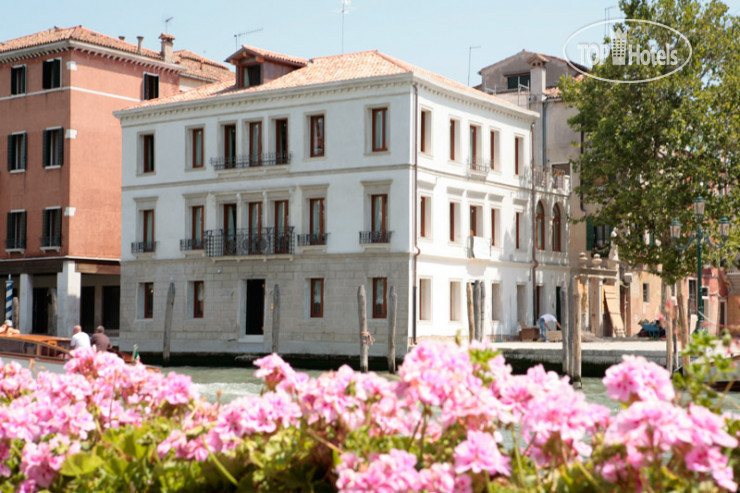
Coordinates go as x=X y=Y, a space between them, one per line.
x=543 y=322
x=100 y=340
x=79 y=339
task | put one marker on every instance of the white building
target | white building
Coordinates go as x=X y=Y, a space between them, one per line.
x=320 y=176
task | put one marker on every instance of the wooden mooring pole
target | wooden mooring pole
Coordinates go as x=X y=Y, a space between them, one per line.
x=275 y=318
x=392 y=303
x=168 y=322
x=482 y=317
x=476 y=310
x=364 y=335
x=471 y=321
x=568 y=327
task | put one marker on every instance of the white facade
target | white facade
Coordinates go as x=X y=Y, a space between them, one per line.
x=353 y=180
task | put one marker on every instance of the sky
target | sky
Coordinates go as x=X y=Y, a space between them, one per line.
x=435 y=35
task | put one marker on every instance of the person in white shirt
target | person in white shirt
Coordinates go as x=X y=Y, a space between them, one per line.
x=79 y=339
x=544 y=321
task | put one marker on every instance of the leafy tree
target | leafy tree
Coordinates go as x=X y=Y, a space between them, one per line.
x=653 y=147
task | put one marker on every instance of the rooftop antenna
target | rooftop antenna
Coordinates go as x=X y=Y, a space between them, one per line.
x=470 y=54
x=607 y=16
x=241 y=35
x=166 y=22
x=345 y=10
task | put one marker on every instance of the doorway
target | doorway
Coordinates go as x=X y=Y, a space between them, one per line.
x=111 y=307
x=559 y=304
x=255 y=307
x=41 y=301
x=87 y=308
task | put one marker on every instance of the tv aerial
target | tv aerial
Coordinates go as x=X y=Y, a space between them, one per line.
x=237 y=36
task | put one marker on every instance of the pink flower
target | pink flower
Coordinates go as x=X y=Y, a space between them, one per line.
x=277 y=374
x=638 y=379
x=176 y=389
x=393 y=472
x=480 y=453
x=440 y=478
x=39 y=464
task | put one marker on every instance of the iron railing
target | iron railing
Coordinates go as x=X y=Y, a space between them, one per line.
x=375 y=236
x=312 y=239
x=143 y=246
x=478 y=165
x=191 y=244
x=51 y=241
x=267 y=241
x=15 y=243
x=251 y=160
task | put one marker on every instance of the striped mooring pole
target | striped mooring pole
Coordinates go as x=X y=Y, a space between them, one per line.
x=9 y=299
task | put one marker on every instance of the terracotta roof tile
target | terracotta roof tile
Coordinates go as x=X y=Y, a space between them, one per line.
x=270 y=55
x=202 y=67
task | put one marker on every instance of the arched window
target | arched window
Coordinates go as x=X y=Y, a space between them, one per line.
x=556 y=229
x=540 y=226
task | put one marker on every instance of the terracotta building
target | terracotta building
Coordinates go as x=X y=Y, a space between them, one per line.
x=60 y=205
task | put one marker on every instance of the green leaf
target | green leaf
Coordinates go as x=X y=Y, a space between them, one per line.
x=81 y=464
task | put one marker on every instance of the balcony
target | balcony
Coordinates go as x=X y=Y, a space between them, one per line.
x=367 y=237
x=478 y=166
x=549 y=179
x=312 y=239
x=15 y=243
x=251 y=161
x=268 y=241
x=51 y=241
x=143 y=246
x=191 y=244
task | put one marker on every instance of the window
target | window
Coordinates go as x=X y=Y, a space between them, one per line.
x=493 y=227
x=53 y=147
x=196 y=151
x=18 y=80
x=229 y=224
x=494 y=148
x=317 y=298
x=229 y=145
x=425 y=299
x=147 y=153
x=514 y=81
x=251 y=75
x=52 y=74
x=496 y=309
x=538 y=300
x=645 y=292
x=426 y=131
x=454 y=221
x=453 y=139
x=517 y=154
x=378 y=213
x=16 y=238
x=52 y=228
x=598 y=237
x=556 y=229
x=147 y=300
x=198 y=297
x=692 y=297
x=256 y=245
x=151 y=86
x=196 y=227
x=475 y=217
x=147 y=230
x=474 y=143
x=17 y=152
x=379 y=289
x=281 y=141
x=517 y=229
x=540 y=226
x=317 y=136
x=255 y=143
x=379 y=129
x=316 y=222
x=282 y=231
x=455 y=301
x=425 y=219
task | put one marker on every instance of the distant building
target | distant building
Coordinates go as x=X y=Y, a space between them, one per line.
x=61 y=194
x=616 y=295
x=321 y=176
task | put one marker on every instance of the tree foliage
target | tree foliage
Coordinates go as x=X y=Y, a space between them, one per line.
x=653 y=147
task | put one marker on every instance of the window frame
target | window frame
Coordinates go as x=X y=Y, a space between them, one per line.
x=384 y=307
x=453 y=138
x=150 y=86
x=198 y=305
x=425 y=131
x=147 y=153
x=18 y=225
x=320 y=201
x=14 y=83
x=493 y=227
x=474 y=133
x=230 y=146
x=518 y=229
x=317 y=135
x=255 y=143
x=147 y=234
x=16 y=162
x=197 y=136
x=517 y=154
x=383 y=211
x=379 y=145
x=53 y=155
x=197 y=227
x=423 y=205
x=281 y=141
x=557 y=231
x=51 y=223
x=539 y=226
x=148 y=299
x=494 y=137
x=312 y=308
x=51 y=78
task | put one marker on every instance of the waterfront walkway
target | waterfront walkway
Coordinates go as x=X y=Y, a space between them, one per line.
x=596 y=356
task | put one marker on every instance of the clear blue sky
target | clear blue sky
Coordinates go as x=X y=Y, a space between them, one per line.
x=435 y=35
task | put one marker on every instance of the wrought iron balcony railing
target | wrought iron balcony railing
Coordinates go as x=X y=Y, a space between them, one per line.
x=251 y=160
x=143 y=246
x=192 y=244
x=375 y=236
x=51 y=241
x=478 y=165
x=312 y=239
x=267 y=241
x=15 y=243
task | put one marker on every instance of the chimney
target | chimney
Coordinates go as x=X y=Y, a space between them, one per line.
x=166 y=52
x=141 y=40
x=122 y=38
x=537 y=75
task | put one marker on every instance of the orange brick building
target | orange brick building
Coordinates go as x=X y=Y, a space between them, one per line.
x=60 y=193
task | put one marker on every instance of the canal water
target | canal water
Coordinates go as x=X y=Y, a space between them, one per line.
x=239 y=382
